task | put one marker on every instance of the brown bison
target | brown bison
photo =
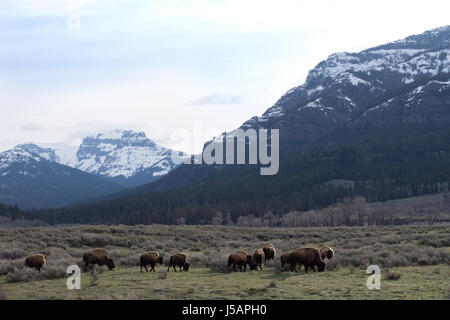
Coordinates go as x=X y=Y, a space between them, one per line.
x=326 y=252
x=239 y=258
x=99 y=257
x=269 y=252
x=308 y=257
x=150 y=258
x=285 y=258
x=180 y=260
x=35 y=261
x=258 y=259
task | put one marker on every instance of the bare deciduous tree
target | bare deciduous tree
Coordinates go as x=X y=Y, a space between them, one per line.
x=217 y=219
x=432 y=214
x=361 y=209
x=346 y=207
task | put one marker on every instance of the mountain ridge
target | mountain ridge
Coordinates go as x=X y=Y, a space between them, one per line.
x=32 y=181
x=379 y=117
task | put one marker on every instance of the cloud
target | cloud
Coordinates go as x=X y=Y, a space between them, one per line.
x=32 y=127
x=216 y=99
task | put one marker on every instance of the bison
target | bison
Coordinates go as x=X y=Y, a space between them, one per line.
x=99 y=257
x=150 y=258
x=180 y=260
x=308 y=257
x=239 y=258
x=326 y=252
x=285 y=258
x=258 y=258
x=35 y=261
x=269 y=252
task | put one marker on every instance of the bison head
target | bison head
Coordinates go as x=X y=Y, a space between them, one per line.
x=160 y=260
x=321 y=266
x=186 y=266
x=110 y=263
x=249 y=260
x=330 y=253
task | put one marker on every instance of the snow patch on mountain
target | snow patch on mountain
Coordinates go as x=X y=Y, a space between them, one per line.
x=348 y=77
x=316 y=104
x=17 y=154
x=123 y=153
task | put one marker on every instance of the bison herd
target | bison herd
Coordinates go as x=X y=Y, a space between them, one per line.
x=309 y=258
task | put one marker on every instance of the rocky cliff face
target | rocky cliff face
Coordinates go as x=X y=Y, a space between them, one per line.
x=125 y=156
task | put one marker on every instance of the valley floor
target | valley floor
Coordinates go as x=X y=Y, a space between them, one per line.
x=414 y=262
x=430 y=282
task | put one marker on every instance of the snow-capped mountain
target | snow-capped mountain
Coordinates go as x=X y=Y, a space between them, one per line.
x=125 y=156
x=31 y=178
x=393 y=82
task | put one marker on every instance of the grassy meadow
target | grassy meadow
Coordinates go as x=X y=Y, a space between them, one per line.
x=414 y=261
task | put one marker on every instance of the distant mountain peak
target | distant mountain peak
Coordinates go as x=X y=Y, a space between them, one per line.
x=45 y=153
x=18 y=154
x=122 y=155
x=30 y=178
x=126 y=157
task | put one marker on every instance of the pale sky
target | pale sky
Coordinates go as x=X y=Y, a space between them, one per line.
x=163 y=66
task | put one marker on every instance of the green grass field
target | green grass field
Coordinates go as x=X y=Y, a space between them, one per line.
x=414 y=261
x=429 y=282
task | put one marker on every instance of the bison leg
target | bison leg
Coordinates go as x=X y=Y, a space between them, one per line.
x=153 y=267
x=234 y=267
x=168 y=268
x=260 y=266
x=174 y=269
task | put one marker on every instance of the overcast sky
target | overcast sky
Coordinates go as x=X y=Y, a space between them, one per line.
x=162 y=66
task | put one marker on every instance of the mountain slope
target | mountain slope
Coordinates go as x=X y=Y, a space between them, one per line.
x=346 y=85
x=30 y=178
x=379 y=117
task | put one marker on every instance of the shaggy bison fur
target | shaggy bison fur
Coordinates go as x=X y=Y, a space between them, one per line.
x=150 y=258
x=308 y=257
x=326 y=252
x=239 y=258
x=270 y=252
x=285 y=258
x=99 y=257
x=35 y=261
x=179 y=260
x=258 y=259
